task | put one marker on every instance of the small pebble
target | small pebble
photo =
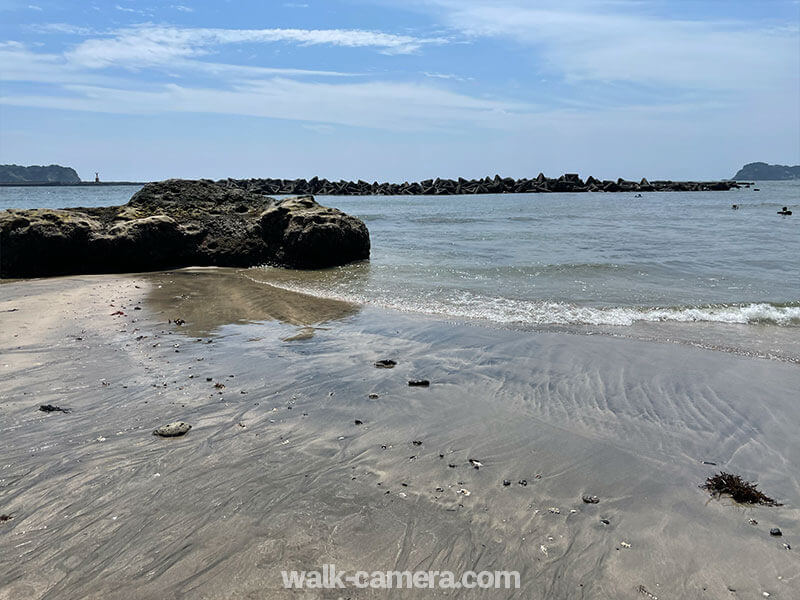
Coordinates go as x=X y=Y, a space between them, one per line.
x=776 y=532
x=175 y=429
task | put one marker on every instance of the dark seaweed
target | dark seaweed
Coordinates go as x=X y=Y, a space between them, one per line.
x=737 y=488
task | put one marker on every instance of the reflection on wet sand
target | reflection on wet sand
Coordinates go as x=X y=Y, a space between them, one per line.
x=304 y=453
x=207 y=299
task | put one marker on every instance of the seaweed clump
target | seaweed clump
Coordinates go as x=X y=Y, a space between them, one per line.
x=737 y=488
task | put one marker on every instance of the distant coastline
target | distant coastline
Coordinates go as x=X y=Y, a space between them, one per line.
x=38 y=173
x=760 y=171
x=49 y=175
x=62 y=184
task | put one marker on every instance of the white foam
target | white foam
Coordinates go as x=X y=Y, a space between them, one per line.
x=508 y=311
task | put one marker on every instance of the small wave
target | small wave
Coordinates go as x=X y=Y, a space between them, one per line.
x=528 y=312
x=559 y=313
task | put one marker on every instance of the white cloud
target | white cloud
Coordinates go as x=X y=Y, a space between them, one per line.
x=34 y=7
x=182 y=8
x=148 y=45
x=446 y=76
x=23 y=65
x=65 y=28
x=380 y=105
x=612 y=41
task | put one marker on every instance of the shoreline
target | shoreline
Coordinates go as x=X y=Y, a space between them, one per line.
x=219 y=512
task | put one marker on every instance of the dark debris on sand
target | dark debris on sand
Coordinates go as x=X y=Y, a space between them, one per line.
x=52 y=408
x=737 y=488
x=4 y=518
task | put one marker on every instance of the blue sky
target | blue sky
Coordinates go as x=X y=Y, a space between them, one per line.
x=400 y=89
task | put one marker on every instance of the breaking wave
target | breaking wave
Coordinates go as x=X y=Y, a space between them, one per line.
x=466 y=305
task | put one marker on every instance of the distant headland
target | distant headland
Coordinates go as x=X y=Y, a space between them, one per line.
x=760 y=171
x=50 y=175
x=38 y=174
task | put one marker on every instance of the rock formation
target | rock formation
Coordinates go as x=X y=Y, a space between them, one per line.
x=179 y=223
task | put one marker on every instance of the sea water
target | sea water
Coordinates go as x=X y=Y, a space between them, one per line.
x=608 y=260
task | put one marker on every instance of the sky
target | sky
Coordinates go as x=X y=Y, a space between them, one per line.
x=396 y=90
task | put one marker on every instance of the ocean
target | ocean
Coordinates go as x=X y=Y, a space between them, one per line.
x=668 y=266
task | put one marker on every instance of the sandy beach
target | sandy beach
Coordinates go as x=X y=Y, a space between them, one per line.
x=276 y=474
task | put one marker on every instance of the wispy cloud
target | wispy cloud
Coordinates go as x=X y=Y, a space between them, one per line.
x=65 y=28
x=78 y=81
x=182 y=8
x=147 y=45
x=446 y=76
x=22 y=64
x=622 y=41
x=380 y=105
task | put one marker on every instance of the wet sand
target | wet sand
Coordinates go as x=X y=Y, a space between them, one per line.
x=275 y=474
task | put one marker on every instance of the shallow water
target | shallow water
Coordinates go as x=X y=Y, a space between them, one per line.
x=609 y=262
x=601 y=259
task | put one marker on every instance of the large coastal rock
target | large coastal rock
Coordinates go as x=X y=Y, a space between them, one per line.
x=178 y=223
